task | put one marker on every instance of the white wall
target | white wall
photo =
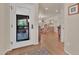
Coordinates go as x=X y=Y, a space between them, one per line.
x=71 y=36
x=59 y=20
x=35 y=23
x=1 y=28
x=4 y=28
x=62 y=23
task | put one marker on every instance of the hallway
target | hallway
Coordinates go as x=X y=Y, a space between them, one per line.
x=49 y=45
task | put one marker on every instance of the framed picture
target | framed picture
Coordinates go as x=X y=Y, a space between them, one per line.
x=73 y=9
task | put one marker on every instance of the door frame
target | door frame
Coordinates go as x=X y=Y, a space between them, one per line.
x=13 y=26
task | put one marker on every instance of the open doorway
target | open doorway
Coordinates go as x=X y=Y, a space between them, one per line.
x=50 y=22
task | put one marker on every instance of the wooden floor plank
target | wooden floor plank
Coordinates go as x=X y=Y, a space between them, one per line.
x=48 y=40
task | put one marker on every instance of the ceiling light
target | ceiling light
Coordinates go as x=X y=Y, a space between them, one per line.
x=46 y=8
x=56 y=10
x=41 y=15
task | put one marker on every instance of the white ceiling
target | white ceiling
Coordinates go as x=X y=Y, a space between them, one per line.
x=52 y=7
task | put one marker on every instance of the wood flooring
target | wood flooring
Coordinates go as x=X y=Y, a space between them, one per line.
x=48 y=40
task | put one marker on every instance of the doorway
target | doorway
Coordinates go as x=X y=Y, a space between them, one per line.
x=22 y=28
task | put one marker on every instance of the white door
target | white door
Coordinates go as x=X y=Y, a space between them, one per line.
x=62 y=34
x=21 y=11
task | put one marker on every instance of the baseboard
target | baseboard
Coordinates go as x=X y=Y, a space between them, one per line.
x=11 y=48
x=36 y=43
x=6 y=51
x=68 y=53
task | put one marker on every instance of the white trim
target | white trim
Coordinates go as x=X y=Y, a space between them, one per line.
x=6 y=51
x=25 y=11
x=36 y=43
x=11 y=49
x=67 y=52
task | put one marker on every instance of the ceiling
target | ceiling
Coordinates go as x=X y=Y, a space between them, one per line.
x=49 y=9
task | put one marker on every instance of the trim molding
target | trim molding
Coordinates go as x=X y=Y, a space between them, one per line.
x=67 y=52
x=6 y=51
